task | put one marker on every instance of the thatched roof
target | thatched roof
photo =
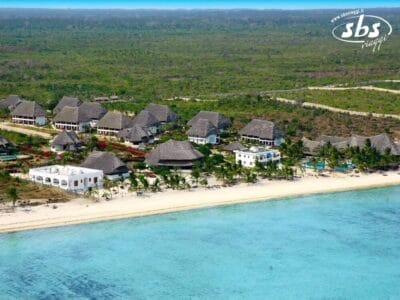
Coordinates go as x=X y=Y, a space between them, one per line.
x=135 y=134
x=65 y=138
x=66 y=101
x=174 y=154
x=114 y=120
x=162 y=112
x=29 y=109
x=95 y=111
x=262 y=129
x=380 y=142
x=108 y=162
x=218 y=120
x=71 y=114
x=145 y=119
x=202 y=128
x=10 y=102
x=234 y=146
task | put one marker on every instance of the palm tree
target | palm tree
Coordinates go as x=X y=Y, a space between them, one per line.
x=12 y=194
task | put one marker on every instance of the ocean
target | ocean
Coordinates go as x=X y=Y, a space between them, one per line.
x=328 y=246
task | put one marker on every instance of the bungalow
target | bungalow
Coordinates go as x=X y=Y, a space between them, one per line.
x=380 y=142
x=263 y=132
x=94 y=111
x=112 y=167
x=29 y=113
x=10 y=102
x=112 y=123
x=136 y=135
x=249 y=157
x=6 y=147
x=203 y=132
x=70 y=178
x=219 y=121
x=147 y=120
x=66 y=141
x=66 y=101
x=233 y=146
x=72 y=118
x=162 y=112
x=174 y=154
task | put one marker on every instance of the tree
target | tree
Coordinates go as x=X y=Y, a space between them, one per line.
x=12 y=194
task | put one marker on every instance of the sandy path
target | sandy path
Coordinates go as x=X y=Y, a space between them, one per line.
x=130 y=205
x=368 y=87
x=28 y=131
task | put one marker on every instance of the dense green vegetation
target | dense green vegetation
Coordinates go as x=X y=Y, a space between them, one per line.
x=160 y=54
x=358 y=100
x=295 y=120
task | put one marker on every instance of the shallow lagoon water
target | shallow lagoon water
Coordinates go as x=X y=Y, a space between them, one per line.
x=332 y=246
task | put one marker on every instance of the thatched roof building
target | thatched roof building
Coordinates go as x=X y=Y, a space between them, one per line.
x=163 y=113
x=66 y=141
x=233 y=146
x=10 y=102
x=113 y=122
x=380 y=142
x=66 y=101
x=179 y=154
x=70 y=114
x=202 y=128
x=29 y=109
x=95 y=111
x=136 y=135
x=108 y=162
x=262 y=131
x=218 y=120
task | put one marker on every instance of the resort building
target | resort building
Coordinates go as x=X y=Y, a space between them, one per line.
x=112 y=123
x=162 y=112
x=233 y=146
x=262 y=132
x=94 y=111
x=380 y=142
x=10 y=102
x=249 y=157
x=203 y=132
x=136 y=135
x=109 y=163
x=29 y=113
x=66 y=101
x=72 y=118
x=147 y=120
x=219 y=121
x=70 y=178
x=6 y=147
x=66 y=141
x=174 y=154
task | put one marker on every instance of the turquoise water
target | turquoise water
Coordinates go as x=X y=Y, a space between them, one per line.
x=334 y=246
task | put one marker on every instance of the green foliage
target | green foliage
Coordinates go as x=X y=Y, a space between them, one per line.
x=151 y=54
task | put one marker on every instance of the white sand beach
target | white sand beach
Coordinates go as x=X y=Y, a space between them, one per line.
x=130 y=205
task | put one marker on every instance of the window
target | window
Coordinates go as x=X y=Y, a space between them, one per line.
x=76 y=183
x=95 y=180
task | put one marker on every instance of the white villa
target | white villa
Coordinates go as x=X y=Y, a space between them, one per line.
x=249 y=157
x=70 y=178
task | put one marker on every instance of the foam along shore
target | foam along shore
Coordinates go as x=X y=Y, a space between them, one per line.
x=130 y=205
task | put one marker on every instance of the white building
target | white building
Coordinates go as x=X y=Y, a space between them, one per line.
x=249 y=157
x=70 y=178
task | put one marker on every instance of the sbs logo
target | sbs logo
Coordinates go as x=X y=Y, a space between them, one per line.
x=367 y=30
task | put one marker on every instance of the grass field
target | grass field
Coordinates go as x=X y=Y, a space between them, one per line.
x=295 y=120
x=45 y=55
x=358 y=100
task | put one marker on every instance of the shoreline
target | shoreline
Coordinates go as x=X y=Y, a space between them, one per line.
x=81 y=211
